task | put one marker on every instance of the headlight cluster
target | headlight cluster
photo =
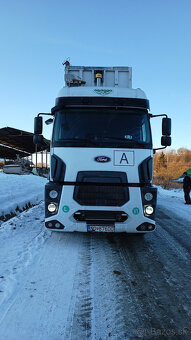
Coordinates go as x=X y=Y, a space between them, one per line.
x=52 y=198
x=149 y=195
x=53 y=207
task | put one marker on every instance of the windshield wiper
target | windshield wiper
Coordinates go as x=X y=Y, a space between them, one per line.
x=84 y=140
x=124 y=140
x=96 y=142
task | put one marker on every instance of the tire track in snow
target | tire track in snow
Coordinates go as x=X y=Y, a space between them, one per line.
x=103 y=297
x=159 y=305
x=78 y=324
x=142 y=296
x=102 y=305
x=178 y=229
x=123 y=289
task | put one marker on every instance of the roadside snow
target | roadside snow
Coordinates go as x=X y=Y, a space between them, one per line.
x=19 y=190
x=173 y=200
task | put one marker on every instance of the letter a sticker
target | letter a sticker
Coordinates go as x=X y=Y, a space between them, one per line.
x=124 y=158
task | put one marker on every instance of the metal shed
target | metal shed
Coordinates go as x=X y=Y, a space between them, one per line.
x=15 y=142
x=10 y=153
x=21 y=140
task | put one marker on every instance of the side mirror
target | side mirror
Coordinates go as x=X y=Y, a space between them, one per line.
x=166 y=126
x=166 y=141
x=38 y=125
x=49 y=121
x=38 y=139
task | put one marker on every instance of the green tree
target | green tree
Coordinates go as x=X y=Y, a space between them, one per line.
x=162 y=161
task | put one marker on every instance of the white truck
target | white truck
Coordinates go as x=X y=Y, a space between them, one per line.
x=101 y=154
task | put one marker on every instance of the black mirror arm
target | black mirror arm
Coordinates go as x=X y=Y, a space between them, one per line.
x=45 y=114
x=162 y=115
x=156 y=149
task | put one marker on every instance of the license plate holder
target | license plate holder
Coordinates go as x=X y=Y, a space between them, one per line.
x=103 y=228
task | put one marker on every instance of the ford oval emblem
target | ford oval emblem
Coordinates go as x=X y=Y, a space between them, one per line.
x=102 y=159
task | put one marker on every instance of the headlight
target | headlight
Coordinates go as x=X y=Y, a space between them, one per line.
x=53 y=194
x=52 y=207
x=148 y=196
x=149 y=209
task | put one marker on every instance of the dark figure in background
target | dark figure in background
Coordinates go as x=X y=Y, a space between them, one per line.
x=187 y=188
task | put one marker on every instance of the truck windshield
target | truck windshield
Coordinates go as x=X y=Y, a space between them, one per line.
x=102 y=128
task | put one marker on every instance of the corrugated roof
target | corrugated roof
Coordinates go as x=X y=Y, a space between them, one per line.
x=10 y=153
x=21 y=140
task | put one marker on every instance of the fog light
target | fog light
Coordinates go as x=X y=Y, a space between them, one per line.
x=146 y=227
x=53 y=194
x=54 y=225
x=52 y=207
x=149 y=209
x=151 y=227
x=148 y=196
x=143 y=227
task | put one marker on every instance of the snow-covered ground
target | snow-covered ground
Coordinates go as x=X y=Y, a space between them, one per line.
x=17 y=191
x=173 y=200
x=80 y=286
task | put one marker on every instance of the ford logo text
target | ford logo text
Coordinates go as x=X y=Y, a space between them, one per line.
x=102 y=159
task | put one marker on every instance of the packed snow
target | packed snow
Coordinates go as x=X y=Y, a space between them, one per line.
x=75 y=286
x=17 y=191
x=173 y=200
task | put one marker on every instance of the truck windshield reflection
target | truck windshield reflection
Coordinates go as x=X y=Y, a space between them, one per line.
x=102 y=128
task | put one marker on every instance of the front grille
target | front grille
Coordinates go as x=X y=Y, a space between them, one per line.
x=101 y=188
x=100 y=216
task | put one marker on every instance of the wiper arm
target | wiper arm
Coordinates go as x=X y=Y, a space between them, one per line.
x=85 y=140
x=124 y=140
x=78 y=140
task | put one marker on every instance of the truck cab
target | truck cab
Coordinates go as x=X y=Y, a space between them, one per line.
x=101 y=154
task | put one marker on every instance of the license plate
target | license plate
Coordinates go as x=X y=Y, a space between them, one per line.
x=101 y=228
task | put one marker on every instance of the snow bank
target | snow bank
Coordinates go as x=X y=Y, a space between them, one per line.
x=18 y=190
x=171 y=192
x=173 y=200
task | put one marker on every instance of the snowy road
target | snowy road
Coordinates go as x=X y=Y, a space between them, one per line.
x=95 y=286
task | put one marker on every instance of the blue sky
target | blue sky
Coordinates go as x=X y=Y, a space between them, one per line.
x=151 y=36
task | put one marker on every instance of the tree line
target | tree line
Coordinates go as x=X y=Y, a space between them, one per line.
x=170 y=165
